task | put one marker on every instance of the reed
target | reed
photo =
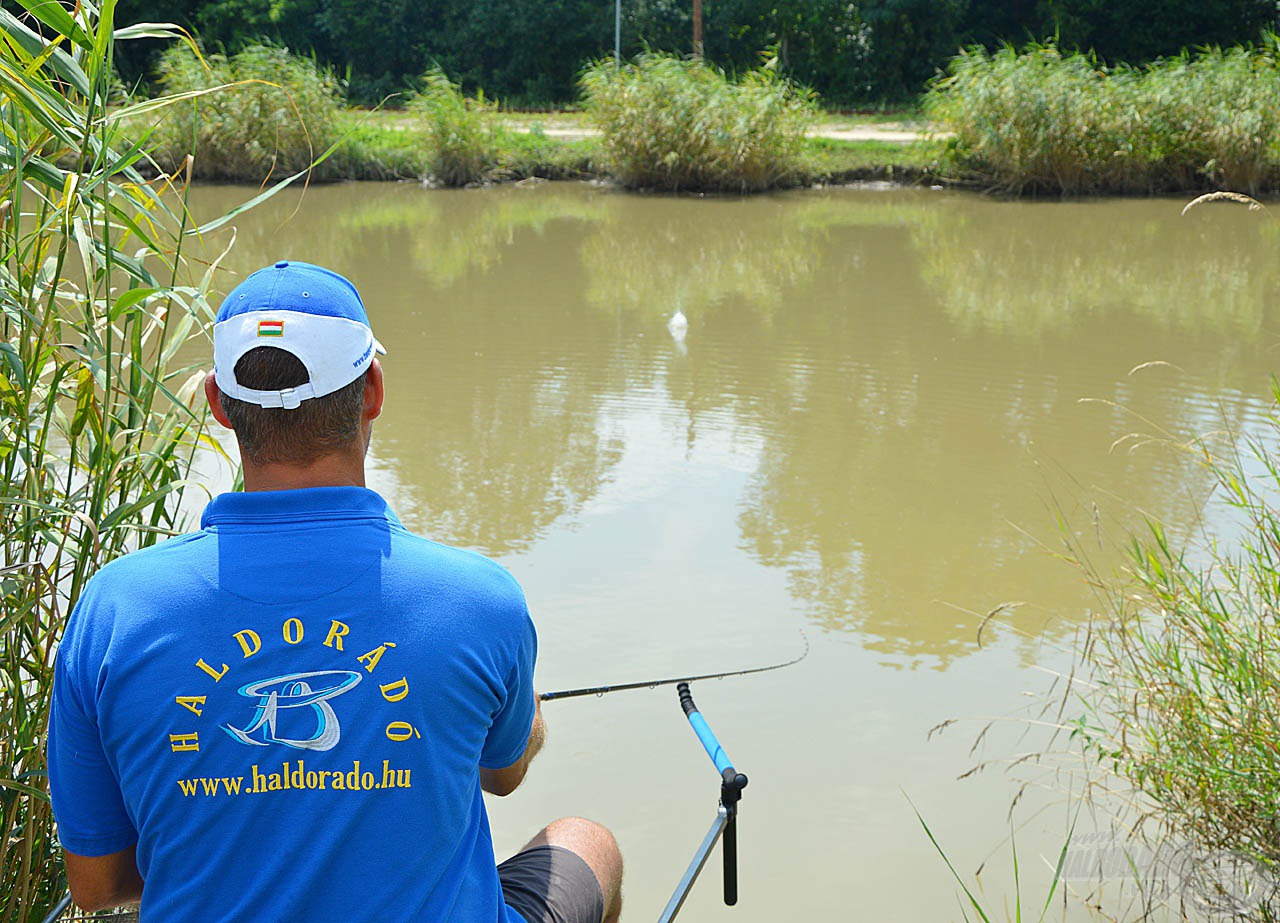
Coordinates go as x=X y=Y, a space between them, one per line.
x=462 y=134
x=1041 y=121
x=672 y=124
x=278 y=113
x=98 y=421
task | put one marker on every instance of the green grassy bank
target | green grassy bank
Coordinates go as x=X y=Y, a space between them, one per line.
x=1025 y=123
x=377 y=148
x=661 y=123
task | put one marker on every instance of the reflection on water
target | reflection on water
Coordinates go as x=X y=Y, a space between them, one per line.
x=1207 y=270
x=871 y=424
x=897 y=374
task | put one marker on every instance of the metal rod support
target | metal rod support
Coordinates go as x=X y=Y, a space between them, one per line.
x=61 y=908
x=695 y=867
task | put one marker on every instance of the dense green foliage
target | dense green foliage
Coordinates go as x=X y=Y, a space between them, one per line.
x=530 y=51
x=673 y=123
x=1043 y=121
x=278 y=113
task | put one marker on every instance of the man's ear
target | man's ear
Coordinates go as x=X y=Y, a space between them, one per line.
x=373 y=393
x=214 y=397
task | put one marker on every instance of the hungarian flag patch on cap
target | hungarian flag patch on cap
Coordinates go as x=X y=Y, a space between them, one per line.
x=270 y=328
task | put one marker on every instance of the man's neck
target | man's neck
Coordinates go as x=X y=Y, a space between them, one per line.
x=344 y=469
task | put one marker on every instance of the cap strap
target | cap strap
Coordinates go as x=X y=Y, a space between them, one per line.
x=289 y=398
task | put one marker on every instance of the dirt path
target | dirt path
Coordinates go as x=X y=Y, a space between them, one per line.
x=890 y=132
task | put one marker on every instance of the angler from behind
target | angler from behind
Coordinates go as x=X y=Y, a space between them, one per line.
x=291 y=714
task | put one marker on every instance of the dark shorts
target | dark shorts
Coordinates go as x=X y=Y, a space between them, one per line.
x=551 y=884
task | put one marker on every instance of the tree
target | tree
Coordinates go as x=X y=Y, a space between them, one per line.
x=1136 y=32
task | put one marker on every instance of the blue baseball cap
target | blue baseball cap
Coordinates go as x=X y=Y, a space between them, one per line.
x=309 y=311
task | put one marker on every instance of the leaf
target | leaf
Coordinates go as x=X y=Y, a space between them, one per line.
x=13 y=362
x=54 y=15
x=252 y=203
x=86 y=411
x=956 y=875
x=123 y=512
x=130 y=299
x=164 y=30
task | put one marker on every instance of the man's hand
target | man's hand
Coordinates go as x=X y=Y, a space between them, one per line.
x=502 y=782
x=99 y=882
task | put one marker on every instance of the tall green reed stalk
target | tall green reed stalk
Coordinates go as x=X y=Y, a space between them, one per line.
x=98 y=424
x=673 y=124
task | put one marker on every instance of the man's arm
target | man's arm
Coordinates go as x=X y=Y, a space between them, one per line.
x=503 y=782
x=99 y=882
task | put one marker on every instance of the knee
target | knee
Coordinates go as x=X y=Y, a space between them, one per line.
x=578 y=831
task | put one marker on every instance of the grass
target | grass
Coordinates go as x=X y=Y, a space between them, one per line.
x=1041 y=121
x=672 y=124
x=1180 y=676
x=971 y=901
x=828 y=160
x=392 y=145
x=370 y=149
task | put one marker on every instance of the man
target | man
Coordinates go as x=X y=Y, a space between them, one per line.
x=290 y=714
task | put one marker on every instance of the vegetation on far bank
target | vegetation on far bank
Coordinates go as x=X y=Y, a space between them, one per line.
x=671 y=123
x=1037 y=121
x=1044 y=121
x=662 y=123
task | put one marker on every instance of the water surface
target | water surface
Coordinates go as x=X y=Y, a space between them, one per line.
x=884 y=405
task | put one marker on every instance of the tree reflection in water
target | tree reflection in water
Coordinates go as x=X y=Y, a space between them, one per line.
x=901 y=371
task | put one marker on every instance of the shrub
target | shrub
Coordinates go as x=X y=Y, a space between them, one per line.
x=670 y=123
x=1042 y=121
x=278 y=113
x=460 y=130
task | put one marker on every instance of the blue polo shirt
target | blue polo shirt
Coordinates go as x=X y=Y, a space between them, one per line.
x=287 y=712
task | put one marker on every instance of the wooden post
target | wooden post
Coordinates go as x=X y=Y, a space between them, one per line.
x=697 y=27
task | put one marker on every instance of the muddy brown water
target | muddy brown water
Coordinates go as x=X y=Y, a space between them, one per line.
x=884 y=403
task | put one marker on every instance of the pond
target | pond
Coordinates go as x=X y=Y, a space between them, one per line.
x=889 y=410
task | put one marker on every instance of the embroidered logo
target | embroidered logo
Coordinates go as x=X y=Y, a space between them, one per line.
x=295 y=691
x=270 y=328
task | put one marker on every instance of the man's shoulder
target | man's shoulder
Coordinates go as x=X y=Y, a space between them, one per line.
x=416 y=557
x=157 y=566
x=160 y=555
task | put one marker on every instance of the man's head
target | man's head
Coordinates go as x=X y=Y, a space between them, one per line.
x=293 y=359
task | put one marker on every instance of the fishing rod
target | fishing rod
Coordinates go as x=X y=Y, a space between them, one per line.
x=674 y=681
